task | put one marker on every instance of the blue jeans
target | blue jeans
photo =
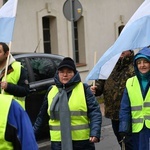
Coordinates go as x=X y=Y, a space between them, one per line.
x=77 y=145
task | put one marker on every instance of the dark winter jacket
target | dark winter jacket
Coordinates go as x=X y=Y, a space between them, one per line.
x=19 y=130
x=112 y=88
x=94 y=113
x=125 y=110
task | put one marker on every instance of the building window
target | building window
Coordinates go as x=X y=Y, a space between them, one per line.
x=79 y=35
x=50 y=37
x=4 y=1
x=119 y=25
x=120 y=28
x=46 y=34
x=76 y=42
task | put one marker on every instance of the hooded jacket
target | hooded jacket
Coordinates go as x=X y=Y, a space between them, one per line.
x=17 y=129
x=125 y=110
x=93 y=112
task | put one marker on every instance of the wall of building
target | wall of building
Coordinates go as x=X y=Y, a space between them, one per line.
x=100 y=20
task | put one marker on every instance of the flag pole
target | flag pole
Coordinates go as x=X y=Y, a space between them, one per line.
x=94 y=65
x=8 y=10
x=6 y=68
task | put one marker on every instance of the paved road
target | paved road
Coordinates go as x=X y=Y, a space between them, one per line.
x=108 y=139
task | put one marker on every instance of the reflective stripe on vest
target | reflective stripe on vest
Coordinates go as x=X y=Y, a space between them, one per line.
x=79 y=127
x=13 y=77
x=140 y=108
x=78 y=109
x=5 y=102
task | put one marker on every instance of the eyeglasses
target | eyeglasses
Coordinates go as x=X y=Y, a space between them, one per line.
x=68 y=73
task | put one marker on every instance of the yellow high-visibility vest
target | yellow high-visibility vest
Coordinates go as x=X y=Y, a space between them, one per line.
x=78 y=109
x=140 y=108
x=5 y=102
x=13 y=77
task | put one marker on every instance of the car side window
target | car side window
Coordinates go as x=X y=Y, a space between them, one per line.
x=23 y=63
x=57 y=61
x=43 y=68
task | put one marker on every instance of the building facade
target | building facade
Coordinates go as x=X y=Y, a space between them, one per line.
x=42 y=27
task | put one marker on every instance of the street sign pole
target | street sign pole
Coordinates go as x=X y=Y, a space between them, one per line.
x=72 y=10
x=72 y=27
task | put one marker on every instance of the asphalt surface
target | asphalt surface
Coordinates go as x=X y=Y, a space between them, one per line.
x=108 y=139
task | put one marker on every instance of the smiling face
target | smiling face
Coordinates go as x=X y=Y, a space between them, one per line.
x=65 y=74
x=143 y=65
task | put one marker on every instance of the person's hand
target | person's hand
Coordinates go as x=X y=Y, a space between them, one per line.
x=93 y=139
x=4 y=85
x=93 y=89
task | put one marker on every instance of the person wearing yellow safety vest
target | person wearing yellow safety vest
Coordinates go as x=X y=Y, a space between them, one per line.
x=16 y=132
x=15 y=82
x=135 y=105
x=75 y=116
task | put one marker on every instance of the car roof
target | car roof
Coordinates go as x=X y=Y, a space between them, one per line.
x=22 y=55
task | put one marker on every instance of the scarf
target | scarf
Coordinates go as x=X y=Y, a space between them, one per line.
x=59 y=110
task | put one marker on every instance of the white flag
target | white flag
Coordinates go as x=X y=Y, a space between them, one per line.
x=135 y=35
x=7 y=20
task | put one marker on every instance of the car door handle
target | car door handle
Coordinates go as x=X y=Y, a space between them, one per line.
x=32 y=90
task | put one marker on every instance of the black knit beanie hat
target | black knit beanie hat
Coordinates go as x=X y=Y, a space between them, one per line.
x=69 y=63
